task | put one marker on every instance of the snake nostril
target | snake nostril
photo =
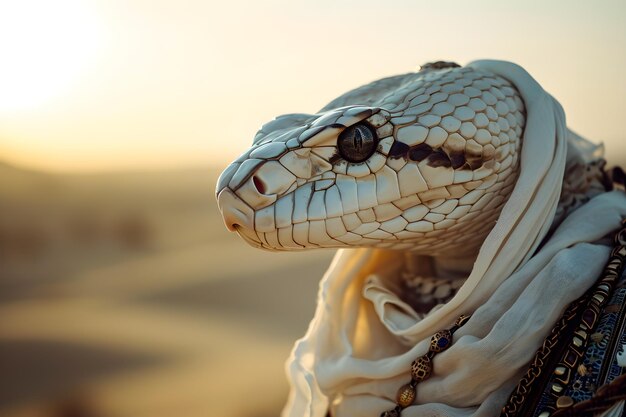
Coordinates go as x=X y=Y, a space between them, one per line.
x=259 y=184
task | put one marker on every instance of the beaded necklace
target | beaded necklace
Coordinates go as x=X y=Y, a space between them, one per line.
x=422 y=367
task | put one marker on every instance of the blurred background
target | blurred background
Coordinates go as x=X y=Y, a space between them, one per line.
x=121 y=292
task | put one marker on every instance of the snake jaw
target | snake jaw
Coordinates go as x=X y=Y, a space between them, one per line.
x=445 y=160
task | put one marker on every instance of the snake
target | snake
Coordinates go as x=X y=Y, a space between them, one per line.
x=422 y=161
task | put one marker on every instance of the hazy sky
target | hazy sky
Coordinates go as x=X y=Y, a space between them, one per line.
x=90 y=85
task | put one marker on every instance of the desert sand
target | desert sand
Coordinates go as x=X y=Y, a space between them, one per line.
x=124 y=295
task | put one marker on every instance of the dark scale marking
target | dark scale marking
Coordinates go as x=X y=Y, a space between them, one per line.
x=473 y=155
x=457 y=159
x=489 y=163
x=475 y=163
x=398 y=150
x=420 y=152
x=335 y=158
x=439 y=159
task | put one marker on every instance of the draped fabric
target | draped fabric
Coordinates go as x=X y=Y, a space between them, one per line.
x=360 y=344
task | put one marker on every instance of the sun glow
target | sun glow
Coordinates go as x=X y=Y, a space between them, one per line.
x=44 y=46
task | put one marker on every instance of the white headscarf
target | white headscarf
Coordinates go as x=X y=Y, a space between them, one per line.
x=359 y=347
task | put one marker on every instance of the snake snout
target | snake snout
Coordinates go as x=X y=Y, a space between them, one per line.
x=235 y=212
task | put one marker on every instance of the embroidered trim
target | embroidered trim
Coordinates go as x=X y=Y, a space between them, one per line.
x=599 y=365
x=524 y=388
x=606 y=397
x=563 y=373
x=554 y=384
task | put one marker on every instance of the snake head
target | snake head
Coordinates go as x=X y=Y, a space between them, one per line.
x=421 y=161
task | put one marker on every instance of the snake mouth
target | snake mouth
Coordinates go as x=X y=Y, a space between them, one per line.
x=253 y=239
x=249 y=236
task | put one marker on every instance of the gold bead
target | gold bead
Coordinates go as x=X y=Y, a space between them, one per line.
x=406 y=396
x=463 y=318
x=441 y=341
x=421 y=368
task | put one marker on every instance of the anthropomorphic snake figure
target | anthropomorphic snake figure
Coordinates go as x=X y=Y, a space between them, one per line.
x=466 y=195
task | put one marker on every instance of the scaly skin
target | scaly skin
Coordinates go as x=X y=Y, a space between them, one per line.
x=445 y=162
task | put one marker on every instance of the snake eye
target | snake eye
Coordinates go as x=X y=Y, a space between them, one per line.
x=357 y=142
